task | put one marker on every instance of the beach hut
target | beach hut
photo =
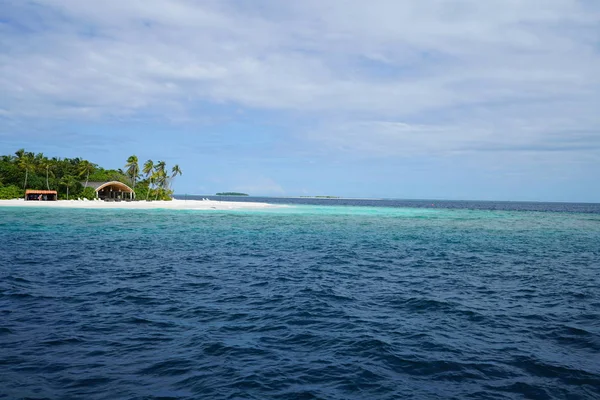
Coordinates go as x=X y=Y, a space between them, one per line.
x=40 y=195
x=111 y=191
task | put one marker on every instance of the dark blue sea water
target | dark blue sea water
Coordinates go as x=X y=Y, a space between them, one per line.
x=303 y=302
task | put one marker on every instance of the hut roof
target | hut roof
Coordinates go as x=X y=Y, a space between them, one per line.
x=100 y=185
x=93 y=185
x=35 y=191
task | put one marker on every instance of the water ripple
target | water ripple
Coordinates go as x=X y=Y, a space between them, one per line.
x=307 y=302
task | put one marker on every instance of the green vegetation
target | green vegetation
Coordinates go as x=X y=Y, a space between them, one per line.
x=231 y=194
x=69 y=176
x=10 y=192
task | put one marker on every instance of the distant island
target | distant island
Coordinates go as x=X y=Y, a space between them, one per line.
x=320 y=197
x=231 y=194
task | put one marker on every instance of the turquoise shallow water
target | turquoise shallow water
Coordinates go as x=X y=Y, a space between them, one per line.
x=318 y=301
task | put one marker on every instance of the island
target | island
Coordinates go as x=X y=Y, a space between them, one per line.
x=231 y=194
x=34 y=176
x=320 y=197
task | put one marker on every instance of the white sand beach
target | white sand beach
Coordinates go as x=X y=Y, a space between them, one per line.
x=140 y=205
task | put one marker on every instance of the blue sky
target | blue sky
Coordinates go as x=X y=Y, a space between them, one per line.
x=464 y=99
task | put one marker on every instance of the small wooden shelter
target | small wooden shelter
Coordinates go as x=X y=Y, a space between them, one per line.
x=111 y=191
x=41 y=195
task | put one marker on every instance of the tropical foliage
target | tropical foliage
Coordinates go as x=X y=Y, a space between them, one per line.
x=70 y=176
x=10 y=192
x=231 y=194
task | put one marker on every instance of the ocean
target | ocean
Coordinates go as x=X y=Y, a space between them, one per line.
x=321 y=299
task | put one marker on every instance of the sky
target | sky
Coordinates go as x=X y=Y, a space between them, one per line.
x=412 y=99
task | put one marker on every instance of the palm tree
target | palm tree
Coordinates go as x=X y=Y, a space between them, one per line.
x=156 y=181
x=39 y=159
x=148 y=168
x=48 y=165
x=85 y=167
x=25 y=161
x=160 y=176
x=160 y=166
x=133 y=168
x=68 y=181
x=174 y=172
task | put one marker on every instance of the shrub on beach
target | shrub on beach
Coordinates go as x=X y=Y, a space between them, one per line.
x=141 y=191
x=88 y=193
x=11 y=192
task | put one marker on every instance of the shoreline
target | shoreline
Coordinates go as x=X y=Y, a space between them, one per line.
x=174 y=204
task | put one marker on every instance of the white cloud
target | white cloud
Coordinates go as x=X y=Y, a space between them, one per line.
x=420 y=76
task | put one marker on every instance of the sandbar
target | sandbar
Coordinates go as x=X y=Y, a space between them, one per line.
x=140 y=205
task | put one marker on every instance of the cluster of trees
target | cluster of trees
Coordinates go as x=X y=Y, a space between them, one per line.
x=231 y=194
x=69 y=176
x=154 y=179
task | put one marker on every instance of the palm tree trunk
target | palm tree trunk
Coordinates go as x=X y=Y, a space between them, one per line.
x=47 y=184
x=158 y=188
x=25 y=184
x=87 y=178
x=67 y=193
x=148 y=192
